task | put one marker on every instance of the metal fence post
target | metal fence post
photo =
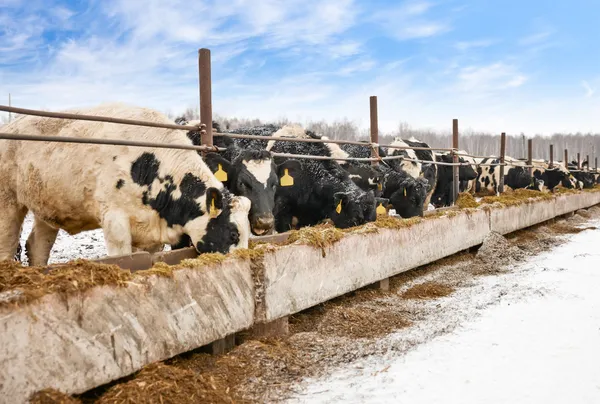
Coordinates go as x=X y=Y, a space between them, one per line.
x=551 y=156
x=596 y=163
x=502 y=155
x=579 y=161
x=530 y=155
x=205 y=95
x=455 y=169
x=587 y=160
x=374 y=129
x=566 y=159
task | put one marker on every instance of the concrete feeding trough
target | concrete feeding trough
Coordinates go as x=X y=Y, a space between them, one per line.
x=75 y=342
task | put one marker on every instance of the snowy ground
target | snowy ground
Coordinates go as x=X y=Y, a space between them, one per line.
x=539 y=343
x=87 y=245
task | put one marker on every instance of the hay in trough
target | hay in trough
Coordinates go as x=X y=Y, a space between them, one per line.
x=76 y=276
x=466 y=200
x=516 y=197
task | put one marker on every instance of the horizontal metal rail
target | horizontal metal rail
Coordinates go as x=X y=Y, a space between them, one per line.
x=112 y=142
x=95 y=118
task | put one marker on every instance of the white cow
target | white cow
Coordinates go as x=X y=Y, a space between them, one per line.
x=140 y=197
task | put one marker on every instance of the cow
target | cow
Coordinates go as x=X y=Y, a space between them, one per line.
x=403 y=191
x=246 y=172
x=364 y=174
x=406 y=194
x=442 y=195
x=517 y=176
x=409 y=165
x=141 y=197
x=583 y=175
x=310 y=191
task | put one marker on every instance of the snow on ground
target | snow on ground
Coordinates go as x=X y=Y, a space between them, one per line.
x=87 y=245
x=540 y=343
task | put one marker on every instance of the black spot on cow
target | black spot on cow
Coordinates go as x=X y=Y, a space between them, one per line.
x=176 y=211
x=192 y=186
x=120 y=183
x=144 y=170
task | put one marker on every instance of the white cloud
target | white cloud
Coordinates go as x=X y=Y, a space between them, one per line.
x=489 y=78
x=589 y=91
x=410 y=21
x=535 y=38
x=464 y=46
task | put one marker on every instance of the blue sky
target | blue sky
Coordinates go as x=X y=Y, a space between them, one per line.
x=515 y=66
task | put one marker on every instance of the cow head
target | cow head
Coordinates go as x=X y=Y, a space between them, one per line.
x=227 y=227
x=254 y=175
x=366 y=177
x=353 y=209
x=406 y=194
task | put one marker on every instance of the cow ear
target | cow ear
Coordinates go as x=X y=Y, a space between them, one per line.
x=214 y=202
x=340 y=200
x=219 y=166
x=287 y=171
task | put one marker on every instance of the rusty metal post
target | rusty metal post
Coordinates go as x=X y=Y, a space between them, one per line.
x=205 y=95
x=551 y=156
x=566 y=159
x=587 y=160
x=455 y=179
x=374 y=129
x=502 y=155
x=530 y=155
x=579 y=161
x=596 y=163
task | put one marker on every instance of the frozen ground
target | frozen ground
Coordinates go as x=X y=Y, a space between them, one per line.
x=538 y=343
x=87 y=245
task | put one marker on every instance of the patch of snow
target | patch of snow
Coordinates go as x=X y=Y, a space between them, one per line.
x=538 y=343
x=431 y=207
x=86 y=245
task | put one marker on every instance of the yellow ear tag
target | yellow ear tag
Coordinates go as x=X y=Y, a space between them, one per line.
x=221 y=174
x=381 y=210
x=338 y=209
x=379 y=187
x=213 y=210
x=404 y=191
x=287 y=180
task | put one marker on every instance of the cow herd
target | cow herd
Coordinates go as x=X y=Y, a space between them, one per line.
x=145 y=198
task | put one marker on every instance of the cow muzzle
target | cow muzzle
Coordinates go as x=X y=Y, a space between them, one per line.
x=263 y=225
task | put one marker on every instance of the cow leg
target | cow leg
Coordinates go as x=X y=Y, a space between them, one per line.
x=11 y=220
x=40 y=242
x=117 y=233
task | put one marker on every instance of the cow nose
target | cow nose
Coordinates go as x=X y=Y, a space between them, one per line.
x=265 y=222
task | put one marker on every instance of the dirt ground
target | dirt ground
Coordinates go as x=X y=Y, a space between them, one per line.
x=335 y=333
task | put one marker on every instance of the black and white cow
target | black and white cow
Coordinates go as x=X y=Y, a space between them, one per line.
x=312 y=190
x=442 y=195
x=516 y=176
x=413 y=168
x=407 y=195
x=246 y=172
x=141 y=197
x=584 y=176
